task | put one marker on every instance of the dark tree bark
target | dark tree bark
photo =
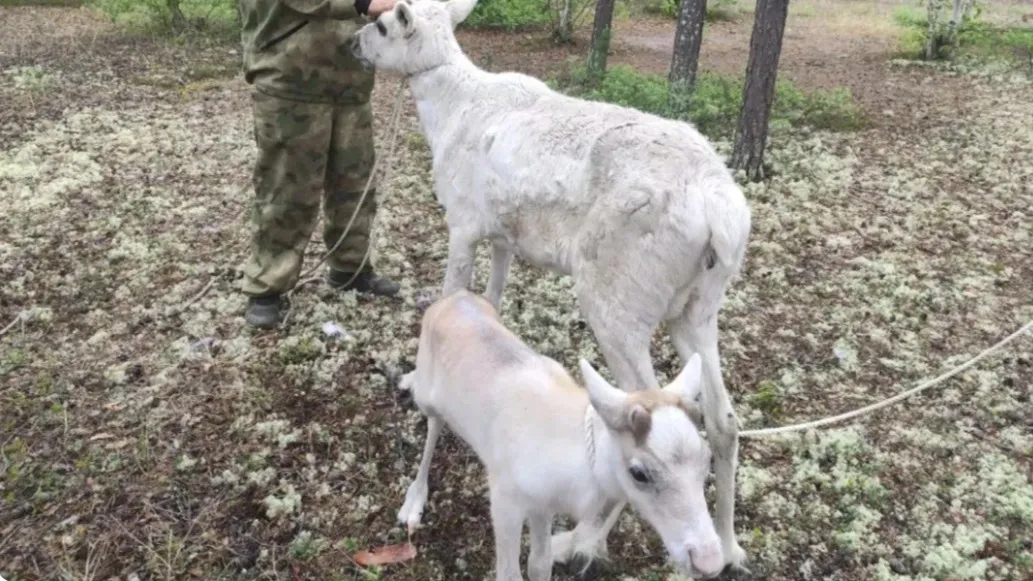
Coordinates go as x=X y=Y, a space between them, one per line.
x=688 y=37
x=600 y=39
x=759 y=90
x=179 y=21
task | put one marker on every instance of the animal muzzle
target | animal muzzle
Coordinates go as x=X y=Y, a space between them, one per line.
x=356 y=50
x=707 y=561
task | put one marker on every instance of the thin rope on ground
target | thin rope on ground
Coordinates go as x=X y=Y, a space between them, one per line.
x=886 y=402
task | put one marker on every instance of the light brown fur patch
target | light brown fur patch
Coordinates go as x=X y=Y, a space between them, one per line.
x=651 y=400
x=466 y=318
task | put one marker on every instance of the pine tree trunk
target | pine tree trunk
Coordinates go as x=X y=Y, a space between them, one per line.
x=933 y=17
x=759 y=90
x=566 y=28
x=179 y=21
x=600 y=39
x=960 y=8
x=688 y=37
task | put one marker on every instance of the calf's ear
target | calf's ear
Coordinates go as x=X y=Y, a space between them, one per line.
x=405 y=16
x=458 y=10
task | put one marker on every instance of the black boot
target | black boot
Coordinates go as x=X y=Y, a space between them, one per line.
x=264 y=312
x=366 y=282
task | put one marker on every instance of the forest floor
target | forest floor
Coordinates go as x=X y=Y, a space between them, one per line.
x=147 y=433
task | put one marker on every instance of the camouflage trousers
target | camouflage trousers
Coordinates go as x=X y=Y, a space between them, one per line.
x=308 y=154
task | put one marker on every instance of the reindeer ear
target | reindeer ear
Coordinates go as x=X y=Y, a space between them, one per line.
x=608 y=401
x=458 y=10
x=405 y=16
x=689 y=381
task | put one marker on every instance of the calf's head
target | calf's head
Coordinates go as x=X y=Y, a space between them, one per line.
x=661 y=462
x=416 y=36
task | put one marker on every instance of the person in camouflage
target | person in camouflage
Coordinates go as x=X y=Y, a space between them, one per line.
x=313 y=124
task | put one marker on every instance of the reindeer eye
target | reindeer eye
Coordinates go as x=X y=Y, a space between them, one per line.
x=381 y=28
x=639 y=475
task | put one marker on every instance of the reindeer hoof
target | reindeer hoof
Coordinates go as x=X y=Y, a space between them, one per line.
x=424 y=299
x=407 y=382
x=574 y=560
x=584 y=570
x=735 y=558
x=412 y=511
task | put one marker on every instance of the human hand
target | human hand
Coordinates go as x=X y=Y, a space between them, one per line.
x=378 y=7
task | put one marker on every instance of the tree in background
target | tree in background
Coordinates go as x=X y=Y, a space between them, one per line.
x=566 y=15
x=178 y=20
x=759 y=91
x=688 y=38
x=174 y=17
x=942 y=37
x=601 y=28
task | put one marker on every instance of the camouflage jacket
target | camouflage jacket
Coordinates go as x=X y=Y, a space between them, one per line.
x=301 y=49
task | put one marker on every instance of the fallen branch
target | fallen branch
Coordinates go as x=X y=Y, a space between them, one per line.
x=204 y=290
x=17 y=318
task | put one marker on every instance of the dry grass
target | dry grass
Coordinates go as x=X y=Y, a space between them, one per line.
x=142 y=441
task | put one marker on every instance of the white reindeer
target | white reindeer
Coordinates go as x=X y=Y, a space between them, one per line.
x=550 y=447
x=639 y=210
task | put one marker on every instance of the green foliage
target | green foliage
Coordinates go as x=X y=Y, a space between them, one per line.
x=976 y=39
x=723 y=10
x=985 y=43
x=910 y=16
x=306 y=547
x=1020 y=40
x=915 y=21
x=767 y=398
x=157 y=16
x=717 y=10
x=714 y=105
x=66 y=3
x=509 y=15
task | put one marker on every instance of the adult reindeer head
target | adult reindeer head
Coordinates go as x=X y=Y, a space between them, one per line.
x=661 y=462
x=416 y=36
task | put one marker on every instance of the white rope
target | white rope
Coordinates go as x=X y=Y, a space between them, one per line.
x=886 y=402
x=590 y=436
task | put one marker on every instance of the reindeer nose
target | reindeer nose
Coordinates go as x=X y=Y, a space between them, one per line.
x=707 y=560
x=355 y=47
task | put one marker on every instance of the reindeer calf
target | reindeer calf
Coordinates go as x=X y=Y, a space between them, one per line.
x=551 y=447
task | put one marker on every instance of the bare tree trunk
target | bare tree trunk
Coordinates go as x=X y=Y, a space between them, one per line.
x=933 y=18
x=566 y=28
x=960 y=8
x=179 y=21
x=600 y=39
x=688 y=37
x=759 y=90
